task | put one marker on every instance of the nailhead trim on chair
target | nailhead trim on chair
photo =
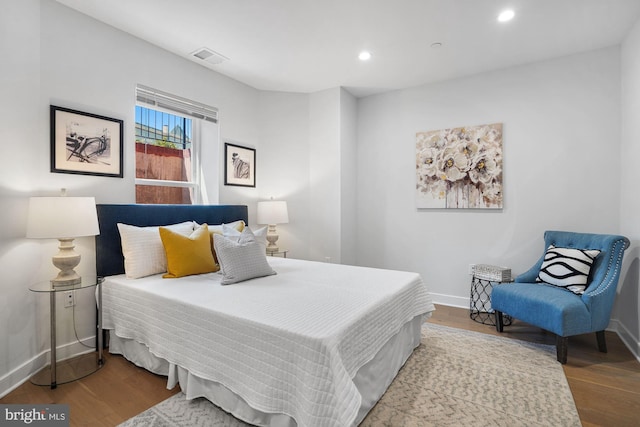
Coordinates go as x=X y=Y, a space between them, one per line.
x=610 y=273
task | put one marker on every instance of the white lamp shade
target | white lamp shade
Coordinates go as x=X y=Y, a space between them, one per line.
x=273 y=212
x=62 y=217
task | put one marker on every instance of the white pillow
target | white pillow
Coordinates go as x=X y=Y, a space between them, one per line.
x=142 y=248
x=232 y=233
x=237 y=226
x=241 y=260
x=219 y=228
x=567 y=268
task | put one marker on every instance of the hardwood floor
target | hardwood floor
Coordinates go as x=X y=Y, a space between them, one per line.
x=605 y=387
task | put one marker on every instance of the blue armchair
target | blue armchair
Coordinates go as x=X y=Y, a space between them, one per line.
x=557 y=309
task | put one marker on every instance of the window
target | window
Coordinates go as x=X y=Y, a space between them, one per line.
x=163 y=154
x=171 y=135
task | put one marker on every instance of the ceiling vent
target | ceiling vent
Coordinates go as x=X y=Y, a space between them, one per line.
x=209 y=56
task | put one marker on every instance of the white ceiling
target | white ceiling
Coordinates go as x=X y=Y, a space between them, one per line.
x=311 y=45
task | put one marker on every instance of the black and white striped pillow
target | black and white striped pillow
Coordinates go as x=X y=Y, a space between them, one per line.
x=567 y=268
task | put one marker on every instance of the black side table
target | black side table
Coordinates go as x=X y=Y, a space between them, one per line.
x=480 y=302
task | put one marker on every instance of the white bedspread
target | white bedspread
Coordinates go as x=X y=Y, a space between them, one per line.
x=289 y=343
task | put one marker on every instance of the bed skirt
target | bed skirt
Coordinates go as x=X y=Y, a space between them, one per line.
x=371 y=380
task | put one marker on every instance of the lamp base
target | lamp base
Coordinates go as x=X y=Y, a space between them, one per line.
x=64 y=282
x=66 y=260
x=272 y=238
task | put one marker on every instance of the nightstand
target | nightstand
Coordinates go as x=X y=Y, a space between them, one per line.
x=281 y=252
x=78 y=367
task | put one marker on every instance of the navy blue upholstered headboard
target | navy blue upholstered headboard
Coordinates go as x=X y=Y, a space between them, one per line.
x=109 y=258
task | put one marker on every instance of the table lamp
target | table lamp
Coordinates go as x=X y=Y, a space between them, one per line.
x=63 y=218
x=272 y=212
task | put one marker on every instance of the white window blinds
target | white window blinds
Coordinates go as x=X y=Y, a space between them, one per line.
x=157 y=98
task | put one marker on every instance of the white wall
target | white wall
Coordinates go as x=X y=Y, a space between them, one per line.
x=53 y=55
x=561 y=168
x=626 y=309
x=332 y=175
x=348 y=177
x=19 y=118
x=308 y=153
x=284 y=163
x=324 y=174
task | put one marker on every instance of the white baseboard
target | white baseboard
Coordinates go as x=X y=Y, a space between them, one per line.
x=450 y=300
x=632 y=343
x=22 y=373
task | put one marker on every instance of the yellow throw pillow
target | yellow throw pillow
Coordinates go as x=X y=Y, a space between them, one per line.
x=187 y=255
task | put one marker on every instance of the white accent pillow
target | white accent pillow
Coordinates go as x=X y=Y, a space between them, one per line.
x=219 y=228
x=567 y=268
x=232 y=233
x=142 y=248
x=241 y=260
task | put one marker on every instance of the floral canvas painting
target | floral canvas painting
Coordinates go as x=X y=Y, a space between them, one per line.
x=460 y=168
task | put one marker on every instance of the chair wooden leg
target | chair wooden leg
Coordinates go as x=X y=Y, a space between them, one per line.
x=562 y=345
x=499 y=322
x=602 y=343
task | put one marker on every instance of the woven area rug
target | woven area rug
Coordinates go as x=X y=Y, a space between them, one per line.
x=453 y=378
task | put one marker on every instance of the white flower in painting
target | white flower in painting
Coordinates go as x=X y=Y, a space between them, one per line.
x=438 y=188
x=488 y=136
x=492 y=194
x=485 y=169
x=470 y=149
x=453 y=164
x=426 y=162
x=431 y=140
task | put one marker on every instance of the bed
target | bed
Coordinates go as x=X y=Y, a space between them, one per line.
x=315 y=344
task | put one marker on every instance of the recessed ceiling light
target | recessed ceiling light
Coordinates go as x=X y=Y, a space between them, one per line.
x=506 y=15
x=436 y=45
x=364 y=56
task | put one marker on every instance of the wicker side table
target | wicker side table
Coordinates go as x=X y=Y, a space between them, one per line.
x=480 y=309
